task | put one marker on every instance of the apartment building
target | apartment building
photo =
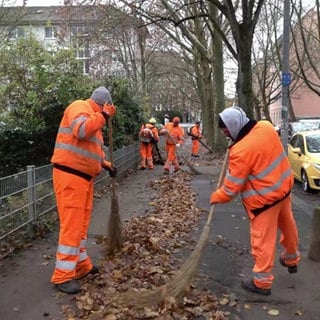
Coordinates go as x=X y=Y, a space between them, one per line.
x=95 y=33
x=304 y=69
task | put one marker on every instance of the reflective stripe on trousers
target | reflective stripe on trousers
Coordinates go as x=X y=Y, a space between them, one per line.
x=74 y=196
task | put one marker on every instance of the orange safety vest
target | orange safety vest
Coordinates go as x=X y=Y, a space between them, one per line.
x=258 y=169
x=176 y=133
x=79 y=142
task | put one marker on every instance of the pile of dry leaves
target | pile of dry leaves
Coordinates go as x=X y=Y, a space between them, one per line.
x=150 y=257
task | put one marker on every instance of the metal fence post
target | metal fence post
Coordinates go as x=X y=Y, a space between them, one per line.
x=31 y=190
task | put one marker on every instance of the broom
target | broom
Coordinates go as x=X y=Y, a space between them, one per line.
x=115 y=227
x=182 y=281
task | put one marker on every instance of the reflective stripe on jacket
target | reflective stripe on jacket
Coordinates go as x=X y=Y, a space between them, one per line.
x=79 y=142
x=258 y=169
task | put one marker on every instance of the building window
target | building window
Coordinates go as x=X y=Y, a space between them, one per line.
x=82 y=50
x=16 y=33
x=80 y=31
x=50 y=32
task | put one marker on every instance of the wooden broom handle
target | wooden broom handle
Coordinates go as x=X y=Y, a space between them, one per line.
x=223 y=169
x=110 y=139
x=113 y=179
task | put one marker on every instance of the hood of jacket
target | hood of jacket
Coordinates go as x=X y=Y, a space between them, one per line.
x=234 y=119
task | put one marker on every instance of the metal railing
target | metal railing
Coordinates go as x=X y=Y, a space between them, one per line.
x=27 y=201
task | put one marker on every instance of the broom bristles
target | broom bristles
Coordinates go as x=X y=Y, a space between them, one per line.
x=115 y=226
x=182 y=281
x=191 y=167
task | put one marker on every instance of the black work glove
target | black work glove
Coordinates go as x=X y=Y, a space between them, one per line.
x=113 y=171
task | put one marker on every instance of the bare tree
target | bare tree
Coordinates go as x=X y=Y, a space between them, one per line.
x=187 y=25
x=306 y=43
x=266 y=56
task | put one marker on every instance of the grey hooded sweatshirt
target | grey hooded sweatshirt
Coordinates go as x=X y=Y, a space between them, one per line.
x=235 y=119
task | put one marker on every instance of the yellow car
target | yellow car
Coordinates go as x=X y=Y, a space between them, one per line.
x=304 y=157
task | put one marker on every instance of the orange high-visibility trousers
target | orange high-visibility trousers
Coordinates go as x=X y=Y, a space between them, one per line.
x=171 y=157
x=146 y=154
x=263 y=232
x=195 y=146
x=74 y=196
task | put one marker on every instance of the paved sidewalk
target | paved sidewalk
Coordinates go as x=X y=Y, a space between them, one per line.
x=26 y=293
x=25 y=289
x=227 y=259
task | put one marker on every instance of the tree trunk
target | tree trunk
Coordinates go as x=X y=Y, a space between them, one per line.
x=314 y=250
x=207 y=97
x=218 y=74
x=244 y=81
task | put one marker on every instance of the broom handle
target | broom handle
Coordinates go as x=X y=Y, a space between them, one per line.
x=223 y=169
x=171 y=138
x=220 y=181
x=110 y=133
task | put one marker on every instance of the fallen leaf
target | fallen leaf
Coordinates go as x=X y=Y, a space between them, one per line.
x=224 y=301
x=273 y=312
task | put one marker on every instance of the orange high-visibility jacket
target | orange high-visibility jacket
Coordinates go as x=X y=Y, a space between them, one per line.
x=79 y=142
x=258 y=169
x=176 y=134
x=196 y=132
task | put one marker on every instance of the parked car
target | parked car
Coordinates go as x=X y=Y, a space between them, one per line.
x=302 y=125
x=304 y=157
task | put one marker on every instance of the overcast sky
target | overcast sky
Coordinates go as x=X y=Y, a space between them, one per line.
x=60 y=2
x=37 y=2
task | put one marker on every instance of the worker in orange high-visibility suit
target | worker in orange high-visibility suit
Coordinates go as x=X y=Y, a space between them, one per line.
x=259 y=170
x=195 y=137
x=77 y=158
x=174 y=139
x=148 y=135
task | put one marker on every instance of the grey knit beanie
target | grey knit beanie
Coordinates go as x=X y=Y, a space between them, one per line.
x=101 y=95
x=234 y=118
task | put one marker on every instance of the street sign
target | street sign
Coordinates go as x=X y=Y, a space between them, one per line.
x=286 y=78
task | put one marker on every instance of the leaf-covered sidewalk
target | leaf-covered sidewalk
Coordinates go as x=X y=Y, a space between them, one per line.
x=154 y=249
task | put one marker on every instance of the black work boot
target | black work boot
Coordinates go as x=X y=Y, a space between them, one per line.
x=94 y=270
x=71 y=286
x=250 y=286
x=291 y=269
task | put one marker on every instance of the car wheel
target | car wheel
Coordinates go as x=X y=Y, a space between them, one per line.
x=305 y=182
